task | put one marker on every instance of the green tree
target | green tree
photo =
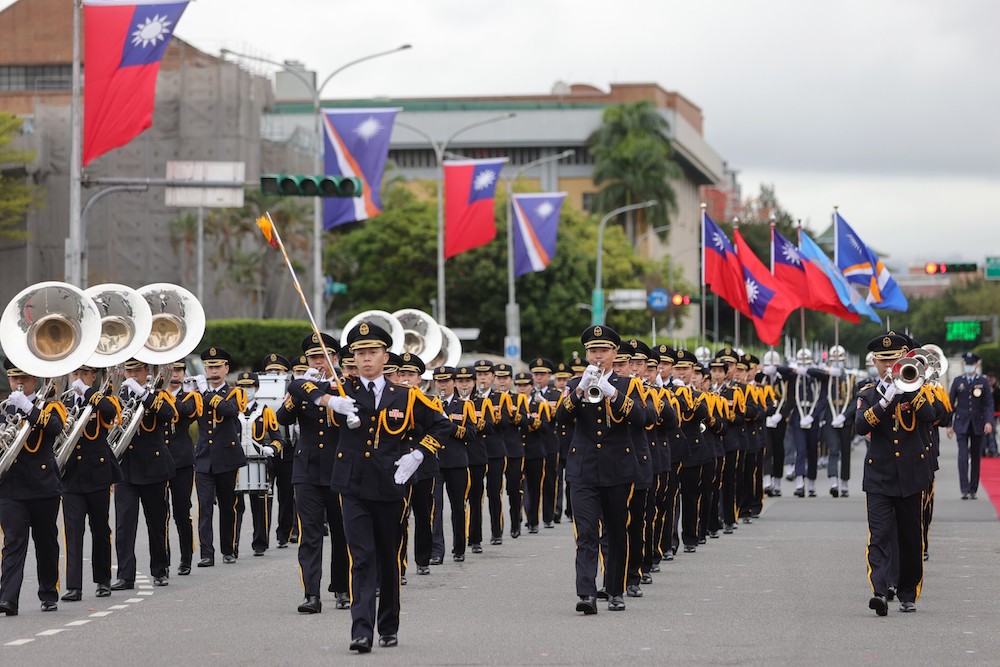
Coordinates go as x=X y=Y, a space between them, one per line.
x=17 y=195
x=633 y=163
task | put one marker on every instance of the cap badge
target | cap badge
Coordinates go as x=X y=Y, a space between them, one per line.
x=363 y=329
x=274 y=357
x=634 y=343
x=315 y=338
x=212 y=351
x=886 y=342
x=598 y=331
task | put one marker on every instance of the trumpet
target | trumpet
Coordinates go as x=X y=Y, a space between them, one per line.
x=594 y=393
x=482 y=388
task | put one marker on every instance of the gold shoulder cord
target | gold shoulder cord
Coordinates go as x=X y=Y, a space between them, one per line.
x=899 y=419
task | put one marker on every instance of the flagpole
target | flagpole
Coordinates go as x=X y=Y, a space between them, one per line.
x=74 y=244
x=736 y=311
x=703 y=304
x=773 y=218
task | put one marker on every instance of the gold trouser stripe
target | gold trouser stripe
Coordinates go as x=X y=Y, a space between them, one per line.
x=628 y=522
x=868 y=547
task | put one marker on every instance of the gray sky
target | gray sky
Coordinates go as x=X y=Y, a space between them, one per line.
x=884 y=107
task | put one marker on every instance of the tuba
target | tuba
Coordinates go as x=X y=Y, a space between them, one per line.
x=383 y=319
x=47 y=330
x=176 y=327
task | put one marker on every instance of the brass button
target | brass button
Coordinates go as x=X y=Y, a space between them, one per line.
x=102 y=459
x=131 y=446
x=78 y=458
x=369 y=442
x=157 y=454
x=43 y=466
x=897 y=455
x=340 y=455
x=598 y=445
x=371 y=430
x=600 y=433
x=573 y=451
x=870 y=461
x=321 y=445
x=321 y=432
x=921 y=456
x=895 y=442
x=79 y=446
x=368 y=455
x=628 y=451
x=210 y=442
x=644 y=457
x=373 y=420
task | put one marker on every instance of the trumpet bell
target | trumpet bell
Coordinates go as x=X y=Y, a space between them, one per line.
x=383 y=319
x=177 y=323
x=908 y=374
x=421 y=334
x=942 y=361
x=50 y=329
x=126 y=322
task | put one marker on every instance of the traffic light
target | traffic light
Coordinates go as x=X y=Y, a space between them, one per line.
x=680 y=300
x=292 y=185
x=935 y=268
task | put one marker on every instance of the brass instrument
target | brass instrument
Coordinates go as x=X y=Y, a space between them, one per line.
x=594 y=393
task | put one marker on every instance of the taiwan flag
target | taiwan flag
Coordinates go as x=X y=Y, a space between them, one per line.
x=469 y=188
x=124 y=44
x=356 y=143
x=769 y=304
x=806 y=280
x=536 y=227
x=720 y=267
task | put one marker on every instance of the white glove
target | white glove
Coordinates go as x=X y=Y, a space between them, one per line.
x=806 y=422
x=773 y=420
x=659 y=381
x=135 y=387
x=838 y=421
x=268 y=451
x=834 y=371
x=406 y=465
x=770 y=371
x=80 y=386
x=189 y=385
x=21 y=402
x=201 y=382
x=293 y=432
x=802 y=370
x=312 y=374
x=590 y=376
x=889 y=391
x=678 y=383
x=607 y=388
x=343 y=405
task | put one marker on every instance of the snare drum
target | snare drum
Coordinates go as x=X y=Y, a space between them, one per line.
x=252 y=478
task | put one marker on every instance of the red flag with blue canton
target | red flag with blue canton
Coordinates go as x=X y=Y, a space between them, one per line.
x=769 y=303
x=356 y=143
x=536 y=228
x=806 y=280
x=469 y=188
x=124 y=44
x=721 y=269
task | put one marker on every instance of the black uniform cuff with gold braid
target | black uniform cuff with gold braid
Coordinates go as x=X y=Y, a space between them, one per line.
x=430 y=443
x=871 y=417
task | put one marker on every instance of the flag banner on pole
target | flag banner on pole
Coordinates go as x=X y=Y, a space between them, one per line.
x=268 y=230
x=846 y=292
x=863 y=267
x=769 y=304
x=469 y=188
x=356 y=143
x=536 y=227
x=723 y=272
x=124 y=44
x=809 y=282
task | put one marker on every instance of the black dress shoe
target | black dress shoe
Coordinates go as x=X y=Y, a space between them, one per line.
x=812 y=493
x=646 y=578
x=713 y=534
x=343 y=601
x=496 y=540
x=727 y=529
x=907 y=607
x=293 y=539
x=532 y=529
x=927 y=556
x=436 y=560
x=103 y=590
x=258 y=552
x=655 y=567
x=8 y=607
x=72 y=595
x=515 y=533
x=183 y=569
x=282 y=545
x=548 y=524
x=229 y=560
x=602 y=594
x=160 y=581
x=879 y=604
x=965 y=496
x=49 y=606
x=476 y=549
x=800 y=493
x=206 y=562
x=122 y=585
x=423 y=569
x=835 y=491
x=748 y=519
x=890 y=594
x=616 y=603
x=845 y=494
x=689 y=548
x=633 y=591
x=402 y=580
x=669 y=555
x=587 y=604
x=388 y=641
x=972 y=496
x=361 y=644
x=557 y=519
x=312 y=605
x=459 y=558
x=702 y=540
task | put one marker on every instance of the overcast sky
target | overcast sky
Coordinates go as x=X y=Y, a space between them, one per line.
x=885 y=107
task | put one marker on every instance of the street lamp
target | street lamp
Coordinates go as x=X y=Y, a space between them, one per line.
x=597 y=316
x=439 y=151
x=513 y=310
x=319 y=303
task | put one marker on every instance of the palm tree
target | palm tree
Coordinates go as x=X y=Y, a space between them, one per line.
x=633 y=163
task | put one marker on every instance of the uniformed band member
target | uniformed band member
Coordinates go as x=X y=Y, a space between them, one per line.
x=496 y=447
x=87 y=479
x=29 y=496
x=218 y=456
x=972 y=421
x=601 y=468
x=477 y=449
x=453 y=457
x=146 y=468
x=264 y=431
x=564 y=434
x=513 y=411
x=541 y=373
x=279 y=365
x=897 y=473
x=177 y=437
x=372 y=494
x=535 y=431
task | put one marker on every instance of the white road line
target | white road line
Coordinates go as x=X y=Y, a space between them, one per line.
x=135 y=600
x=118 y=606
x=75 y=623
x=144 y=593
x=19 y=642
x=49 y=633
x=101 y=614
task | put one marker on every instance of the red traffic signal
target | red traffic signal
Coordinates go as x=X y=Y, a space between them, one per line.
x=680 y=299
x=935 y=268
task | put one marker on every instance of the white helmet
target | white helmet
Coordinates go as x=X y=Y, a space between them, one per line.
x=804 y=356
x=772 y=358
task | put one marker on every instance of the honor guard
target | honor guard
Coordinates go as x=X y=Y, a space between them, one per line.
x=496 y=447
x=177 y=437
x=972 y=421
x=218 y=456
x=465 y=386
x=90 y=472
x=29 y=494
x=777 y=422
x=276 y=364
x=259 y=424
x=147 y=467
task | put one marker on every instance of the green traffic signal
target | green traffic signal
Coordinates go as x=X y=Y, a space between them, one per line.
x=295 y=185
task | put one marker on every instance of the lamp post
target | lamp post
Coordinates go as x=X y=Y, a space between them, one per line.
x=513 y=310
x=439 y=151
x=597 y=316
x=319 y=304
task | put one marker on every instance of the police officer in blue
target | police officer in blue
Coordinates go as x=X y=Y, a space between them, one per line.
x=972 y=421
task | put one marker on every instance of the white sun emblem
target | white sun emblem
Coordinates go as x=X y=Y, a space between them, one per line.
x=753 y=292
x=484 y=179
x=855 y=243
x=153 y=30
x=368 y=129
x=791 y=254
x=718 y=242
x=544 y=210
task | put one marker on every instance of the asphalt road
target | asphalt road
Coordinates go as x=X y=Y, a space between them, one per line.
x=789 y=589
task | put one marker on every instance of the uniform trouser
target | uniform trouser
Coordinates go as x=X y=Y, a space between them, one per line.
x=437 y=531
x=839 y=442
x=515 y=476
x=806 y=450
x=549 y=473
x=650 y=547
x=286 y=500
x=709 y=504
x=776 y=448
x=477 y=480
x=636 y=535
x=690 y=492
x=729 y=467
x=374 y=541
x=750 y=486
x=260 y=511
x=596 y=508
x=494 y=494
x=219 y=486
x=560 y=471
x=17 y=519
x=456 y=482
x=928 y=513
x=668 y=510
x=154 y=507
x=895 y=518
x=78 y=508
x=317 y=506
x=970 y=450
x=533 y=471
x=422 y=503
x=180 y=488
